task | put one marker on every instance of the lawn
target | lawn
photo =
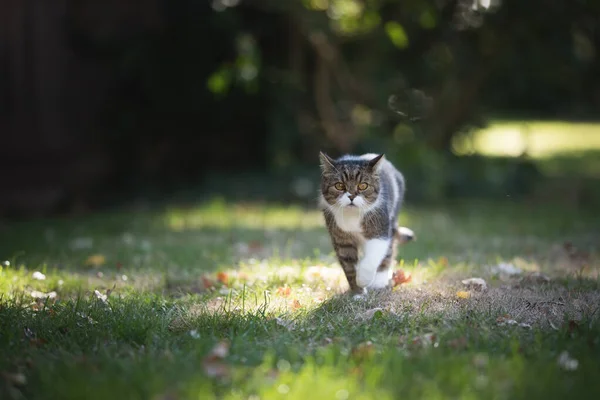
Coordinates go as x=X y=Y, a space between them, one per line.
x=246 y=301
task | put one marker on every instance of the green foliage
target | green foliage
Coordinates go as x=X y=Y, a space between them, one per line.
x=397 y=34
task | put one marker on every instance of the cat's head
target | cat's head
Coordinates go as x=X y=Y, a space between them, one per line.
x=351 y=181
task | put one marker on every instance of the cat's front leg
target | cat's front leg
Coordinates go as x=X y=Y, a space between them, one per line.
x=347 y=254
x=375 y=250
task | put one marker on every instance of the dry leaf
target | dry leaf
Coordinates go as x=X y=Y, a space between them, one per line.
x=475 y=283
x=284 y=291
x=95 y=260
x=401 y=277
x=207 y=283
x=223 y=277
x=461 y=294
x=296 y=305
x=255 y=245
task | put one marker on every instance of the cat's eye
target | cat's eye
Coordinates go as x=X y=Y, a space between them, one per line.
x=340 y=186
x=363 y=186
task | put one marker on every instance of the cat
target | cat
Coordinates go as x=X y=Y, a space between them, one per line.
x=360 y=197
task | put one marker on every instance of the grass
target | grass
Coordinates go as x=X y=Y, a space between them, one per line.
x=239 y=301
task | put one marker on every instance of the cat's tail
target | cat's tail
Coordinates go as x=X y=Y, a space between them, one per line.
x=404 y=235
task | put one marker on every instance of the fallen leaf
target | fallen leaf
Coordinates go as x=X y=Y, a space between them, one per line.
x=401 y=277
x=207 y=283
x=95 y=260
x=296 y=305
x=461 y=294
x=284 y=291
x=502 y=318
x=475 y=283
x=223 y=277
x=255 y=245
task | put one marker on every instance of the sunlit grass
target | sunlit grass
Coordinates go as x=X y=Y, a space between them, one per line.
x=138 y=302
x=538 y=139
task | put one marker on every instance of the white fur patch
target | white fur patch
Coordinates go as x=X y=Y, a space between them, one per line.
x=375 y=251
x=348 y=219
x=382 y=279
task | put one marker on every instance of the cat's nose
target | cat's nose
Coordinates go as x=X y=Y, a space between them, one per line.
x=351 y=196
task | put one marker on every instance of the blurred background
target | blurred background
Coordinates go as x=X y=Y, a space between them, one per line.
x=128 y=102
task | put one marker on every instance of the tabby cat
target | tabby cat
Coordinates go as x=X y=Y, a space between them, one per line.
x=360 y=198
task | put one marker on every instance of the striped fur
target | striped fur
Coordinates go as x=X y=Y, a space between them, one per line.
x=362 y=219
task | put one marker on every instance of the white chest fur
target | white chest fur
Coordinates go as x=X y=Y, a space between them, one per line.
x=349 y=219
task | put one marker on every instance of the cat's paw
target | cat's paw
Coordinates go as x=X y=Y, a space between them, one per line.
x=359 y=297
x=358 y=293
x=382 y=280
x=365 y=278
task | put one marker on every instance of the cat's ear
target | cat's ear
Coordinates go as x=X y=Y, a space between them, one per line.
x=326 y=162
x=376 y=163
